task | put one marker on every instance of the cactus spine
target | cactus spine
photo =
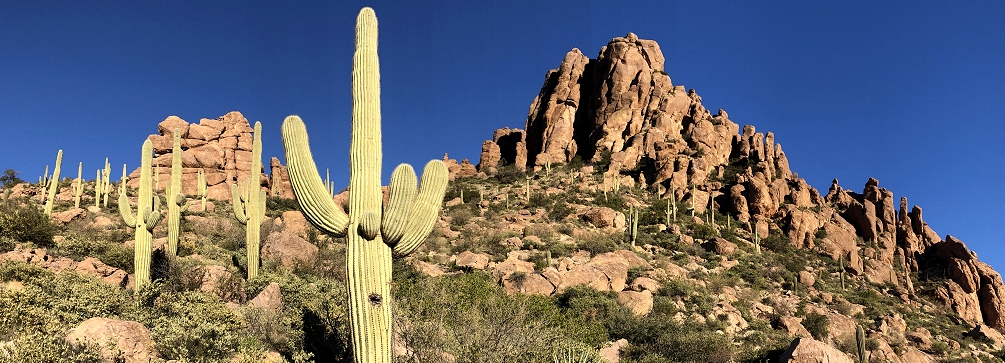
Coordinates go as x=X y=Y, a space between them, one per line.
x=53 y=183
x=78 y=188
x=174 y=196
x=146 y=217
x=202 y=188
x=374 y=234
x=249 y=204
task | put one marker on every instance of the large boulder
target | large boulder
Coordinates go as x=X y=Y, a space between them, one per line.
x=288 y=249
x=129 y=338
x=605 y=217
x=805 y=350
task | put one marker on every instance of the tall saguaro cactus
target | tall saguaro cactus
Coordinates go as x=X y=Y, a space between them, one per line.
x=174 y=196
x=53 y=183
x=146 y=217
x=202 y=190
x=106 y=174
x=374 y=233
x=78 y=186
x=249 y=204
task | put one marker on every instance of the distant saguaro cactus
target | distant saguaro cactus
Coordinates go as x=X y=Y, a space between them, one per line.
x=107 y=175
x=174 y=196
x=249 y=204
x=53 y=183
x=375 y=234
x=860 y=343
x=146 y=217
x=78 y=186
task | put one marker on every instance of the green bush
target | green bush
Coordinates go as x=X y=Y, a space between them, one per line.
x=816 y=324
x=26 y=223
x=192 y=326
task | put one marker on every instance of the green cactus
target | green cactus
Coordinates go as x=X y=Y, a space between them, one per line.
x=757 y=241
x=98 y=183
x=374 y=234
x=202 y=190
x=44 y=181
x=106 y=175
x=633 y=224
x=53 y=183
x=78 y=187
x=860 y=343
x=146 y=217
x=175 y=196
x=249 y=204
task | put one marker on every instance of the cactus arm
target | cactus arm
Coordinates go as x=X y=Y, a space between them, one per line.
x=126 y=210
x=152 y=219
x=238 y=202
x=426 y=208
x=369 y=225
x=310 y=191
x=399 y=204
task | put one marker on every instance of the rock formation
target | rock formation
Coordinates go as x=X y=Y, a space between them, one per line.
x=622 y=107
x=220 y=147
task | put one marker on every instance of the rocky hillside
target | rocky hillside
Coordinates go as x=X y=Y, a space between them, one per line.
x=626 y=223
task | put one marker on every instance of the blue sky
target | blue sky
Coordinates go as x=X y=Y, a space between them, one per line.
x=905 y=92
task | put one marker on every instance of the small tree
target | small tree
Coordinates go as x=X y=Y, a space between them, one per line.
x=10 y=178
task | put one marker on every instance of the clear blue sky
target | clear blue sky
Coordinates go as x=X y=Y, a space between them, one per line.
x=908 y=93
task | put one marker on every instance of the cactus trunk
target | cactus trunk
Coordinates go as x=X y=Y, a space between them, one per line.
x=78 y=187
x=146 y=217
x=53 y=183
x=174 y=196
x=374 y=233
x=249 y=204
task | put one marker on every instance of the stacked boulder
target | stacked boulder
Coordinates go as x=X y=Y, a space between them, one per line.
x=220 y=148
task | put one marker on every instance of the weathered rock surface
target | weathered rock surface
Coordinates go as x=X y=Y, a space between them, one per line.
x=805 y=350
x=131 y=339
x=288 y=249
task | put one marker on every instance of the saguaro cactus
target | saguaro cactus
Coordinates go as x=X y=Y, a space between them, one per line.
x=78 y=187
x=107 y=174
x=174 y=196
x=249 y=203
x=53 y=183
x=860 y=343
x=633 y=224
x=374 y=234
x=202 y=190
x=146 y=217
x=98 y=185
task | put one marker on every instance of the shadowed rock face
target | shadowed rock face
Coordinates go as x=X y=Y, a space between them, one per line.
x=622 y=105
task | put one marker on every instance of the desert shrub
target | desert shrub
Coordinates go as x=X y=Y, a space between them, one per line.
x=560 y=210
x=542 y=231
x=10 y=178
x=7 y=244
x=597 y=243
x=663 y=340
x=26 y=223
x=460 y=215
x=509 y=174
x=816 y=324
x=275 y=206
x=49 y=347
x=191 y=326
x=112 y=253
x=468 y=316
x=703 y=232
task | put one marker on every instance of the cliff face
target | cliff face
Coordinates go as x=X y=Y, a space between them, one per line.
x=623 y=106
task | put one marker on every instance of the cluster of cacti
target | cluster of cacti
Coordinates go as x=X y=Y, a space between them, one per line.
x=202 y=188
x=329 y=183
x=53 y=183
x=78 y=186
x=175 y=196
x=374 y=233
x=248 y=199
x=146 y=217
x=633 y=224
x=43 y=181
x=860 y=343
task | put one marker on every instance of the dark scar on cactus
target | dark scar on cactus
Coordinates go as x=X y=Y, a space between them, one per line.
x=375 y=299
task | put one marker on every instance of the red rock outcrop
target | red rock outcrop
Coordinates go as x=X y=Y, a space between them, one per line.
x=220 y=147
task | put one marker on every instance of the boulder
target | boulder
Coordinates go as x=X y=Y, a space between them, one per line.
x=288 y=249
x=69 y=215
x=719 y=246
x=270 y=299
x=806 y=350
x=603 y=217
x=612 y=350
x=641 y=303
x=129 y=338
x=468 y=259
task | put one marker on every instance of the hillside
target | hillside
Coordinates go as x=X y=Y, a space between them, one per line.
x=625 y=221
